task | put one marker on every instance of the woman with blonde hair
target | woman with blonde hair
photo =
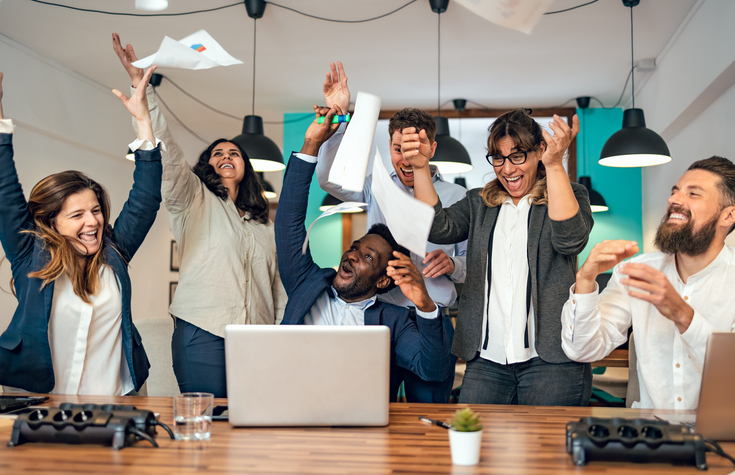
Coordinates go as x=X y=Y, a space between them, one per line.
x=524 y=230
x=72 y=332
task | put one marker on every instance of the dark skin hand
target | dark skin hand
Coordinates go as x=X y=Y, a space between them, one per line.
x=408 y=278
x=317 y=133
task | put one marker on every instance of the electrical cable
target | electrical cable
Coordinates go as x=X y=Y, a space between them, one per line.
x=717 y=449
x=104 y=12
x=87 y=10
x=158 y=96
x=142 y=435
x=571 y=8
x=341 y=21
x=199 y=101
x=156 y=422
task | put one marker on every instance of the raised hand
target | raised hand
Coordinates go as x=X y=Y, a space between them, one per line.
x=408 y=278
x=439 y=264
x=603 y=257
x=127 y=58
x=658 y=291
x=559 y=143
x=137 y=105
x=1 y=96
x=317 y=133
x=416 y=147
x=336 y=92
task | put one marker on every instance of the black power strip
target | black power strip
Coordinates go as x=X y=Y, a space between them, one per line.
x=634 y=440
x=108 y=424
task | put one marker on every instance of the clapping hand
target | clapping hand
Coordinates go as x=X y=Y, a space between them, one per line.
x=603 y=257
x=137 y=105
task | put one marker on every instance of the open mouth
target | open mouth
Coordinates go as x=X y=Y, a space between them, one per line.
x=346 y=270
x=676 y=216
x=228 y=166
x=407 y=172
x=513 y=182
x=89 y=237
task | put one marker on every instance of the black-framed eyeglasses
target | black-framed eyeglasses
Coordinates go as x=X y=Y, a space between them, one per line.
x=516 y=158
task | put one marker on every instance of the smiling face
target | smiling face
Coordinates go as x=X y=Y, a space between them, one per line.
x=693 y=215
x=362 y=269
x=228 y=162
x=81 y=221
x=518 y=180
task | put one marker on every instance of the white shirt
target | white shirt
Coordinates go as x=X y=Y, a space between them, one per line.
x=335 y=311
x=86 y=339
x=505 y=311
x=669 y=363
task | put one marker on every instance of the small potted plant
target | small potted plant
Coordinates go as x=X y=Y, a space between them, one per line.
x=465 y=436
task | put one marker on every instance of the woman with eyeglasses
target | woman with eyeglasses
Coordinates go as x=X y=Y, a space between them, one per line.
x=524 y=230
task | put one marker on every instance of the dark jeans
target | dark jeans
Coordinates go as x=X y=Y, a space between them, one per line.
x=533 y=383
x=418 y=390
x=199 y=359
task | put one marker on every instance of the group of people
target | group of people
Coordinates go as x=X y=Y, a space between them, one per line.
x=529 y=323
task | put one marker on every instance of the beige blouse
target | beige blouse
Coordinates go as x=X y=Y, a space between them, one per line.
x=228 y=271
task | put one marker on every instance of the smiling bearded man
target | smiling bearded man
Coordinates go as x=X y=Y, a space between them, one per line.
x=673 y=298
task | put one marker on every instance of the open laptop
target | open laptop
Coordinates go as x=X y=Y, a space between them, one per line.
x=715 y=417
x=303 y=375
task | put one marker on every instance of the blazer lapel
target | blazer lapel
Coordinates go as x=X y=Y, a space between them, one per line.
x=372 y=314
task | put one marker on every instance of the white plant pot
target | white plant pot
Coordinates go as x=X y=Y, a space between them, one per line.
x=465 y=447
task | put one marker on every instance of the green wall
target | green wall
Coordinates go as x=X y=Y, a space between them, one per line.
x=621 y=187
x=325 y=239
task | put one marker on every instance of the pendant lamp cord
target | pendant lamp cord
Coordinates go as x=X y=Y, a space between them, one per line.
x=439 y=63
x=255 y=37
x=632 y=63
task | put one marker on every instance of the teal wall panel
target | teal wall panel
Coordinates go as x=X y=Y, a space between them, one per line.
x=325 y=239
x=621 y=187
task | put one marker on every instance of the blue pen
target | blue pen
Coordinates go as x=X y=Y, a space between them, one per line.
x=337 y=119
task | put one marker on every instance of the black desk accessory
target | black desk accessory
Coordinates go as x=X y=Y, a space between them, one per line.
x=114 y=425
x=634 y=440
x=13 y=403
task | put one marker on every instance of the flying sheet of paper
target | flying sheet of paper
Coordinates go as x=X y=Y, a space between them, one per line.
x=196 y=51
x=333 y=210
x=408 y=219
x=520 y=15
x=350 y=164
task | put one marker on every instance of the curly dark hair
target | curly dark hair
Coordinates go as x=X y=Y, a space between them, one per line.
x=410 y=117
x=382 y=230
x=250 y=197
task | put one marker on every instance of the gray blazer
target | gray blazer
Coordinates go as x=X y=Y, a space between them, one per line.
x=553 y=247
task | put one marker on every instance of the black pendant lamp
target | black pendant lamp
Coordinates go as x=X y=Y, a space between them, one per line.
x=597 y=202
x=634 y=145
x=264 y=154
x=450 y=156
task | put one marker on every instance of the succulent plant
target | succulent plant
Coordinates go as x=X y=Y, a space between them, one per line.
x=466 y=420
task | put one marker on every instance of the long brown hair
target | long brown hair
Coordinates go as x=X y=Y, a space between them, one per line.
x=527 y=135
x=45 y=202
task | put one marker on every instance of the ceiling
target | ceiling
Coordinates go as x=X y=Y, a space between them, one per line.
x=581 y=52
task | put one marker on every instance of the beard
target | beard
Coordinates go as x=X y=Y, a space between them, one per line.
x=357 y=288
x=673 y=238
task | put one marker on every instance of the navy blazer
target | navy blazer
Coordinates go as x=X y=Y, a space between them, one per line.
x=421 y=347
x=25 y=355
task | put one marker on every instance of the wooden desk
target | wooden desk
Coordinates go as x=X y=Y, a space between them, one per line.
x=616 y=359
x=517 y=440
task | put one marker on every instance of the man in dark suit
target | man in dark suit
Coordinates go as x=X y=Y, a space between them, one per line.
x=373 y=264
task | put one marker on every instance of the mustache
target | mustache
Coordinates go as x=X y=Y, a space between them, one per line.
x=677 y=209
